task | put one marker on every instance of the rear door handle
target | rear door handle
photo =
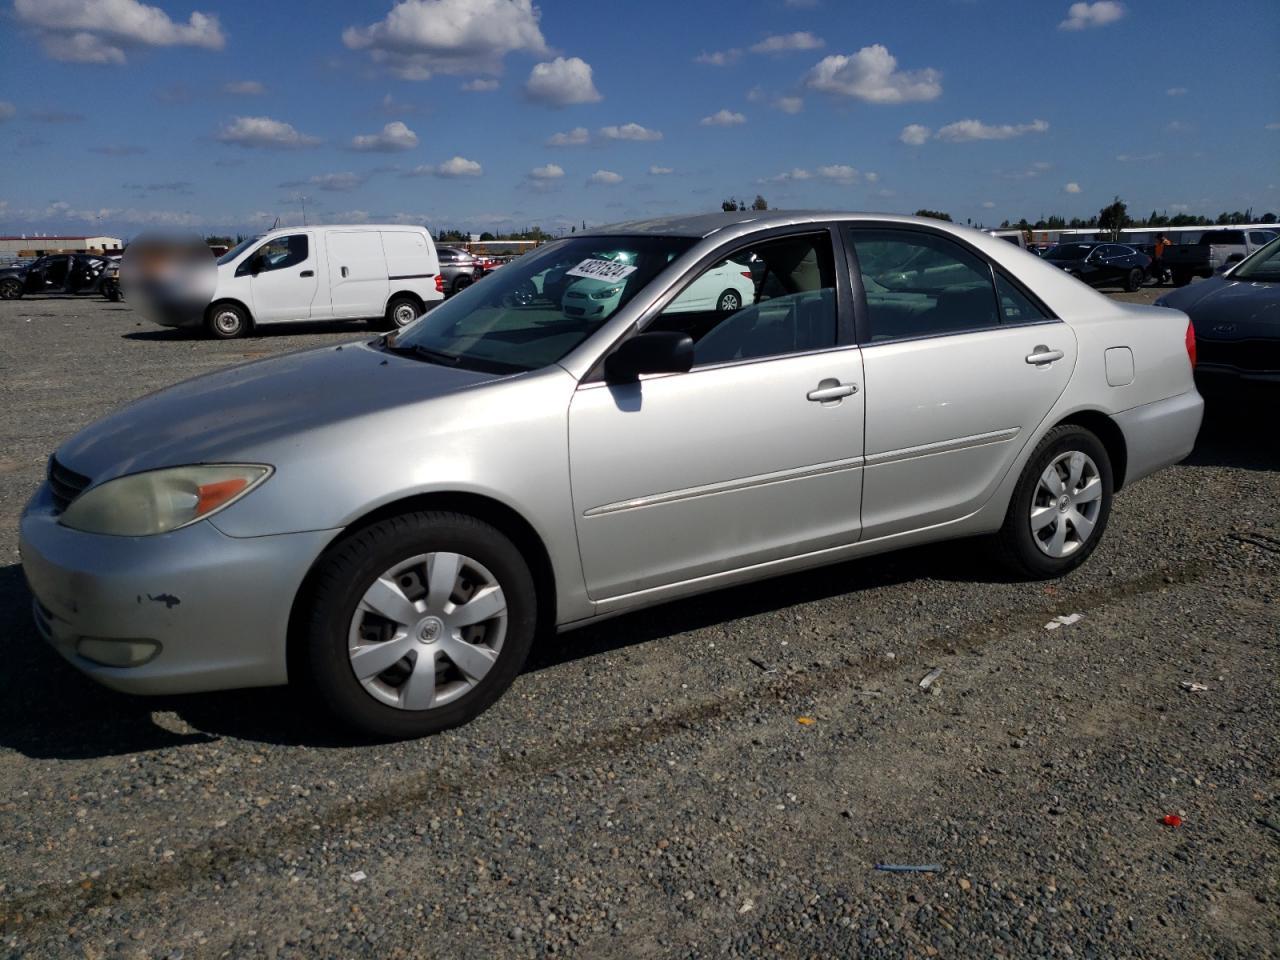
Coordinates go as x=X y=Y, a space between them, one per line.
x=344 y=271
x=1041 y=355
x=307 y=273
x=831 y=389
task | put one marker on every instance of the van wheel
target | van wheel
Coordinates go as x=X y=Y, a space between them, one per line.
x=401 y=312
x=1060 y=506
x=227 y=321
x=418 y=623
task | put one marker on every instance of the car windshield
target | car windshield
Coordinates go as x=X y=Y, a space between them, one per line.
x=538 y=308
x=1263 y=266
x=1069 y=251
x=238 y=249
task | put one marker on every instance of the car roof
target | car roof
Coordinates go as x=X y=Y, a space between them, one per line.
x=700 y=225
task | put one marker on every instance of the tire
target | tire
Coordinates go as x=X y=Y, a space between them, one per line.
x=401 y=312
x=460 y=284
x=1181 y=278
x=1030 y=554
x=10 y=289
x=227 y=321
x=729 y=301
x=1133 y=282
x=113 y=294
x=342 y=626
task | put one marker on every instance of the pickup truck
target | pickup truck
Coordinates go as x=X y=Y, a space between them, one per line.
x=1215 y=249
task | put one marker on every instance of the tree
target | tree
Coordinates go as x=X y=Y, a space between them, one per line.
x=732 y=205
x=759 y=203
x=216 y=241
x=934 y=214
x=1114 y=218
x=1267 y=218
x=487 y=236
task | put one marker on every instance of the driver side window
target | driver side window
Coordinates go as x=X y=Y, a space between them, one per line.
x=279 y=253
x=768 y=299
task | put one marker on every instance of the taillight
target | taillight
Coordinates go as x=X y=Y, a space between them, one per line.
x=747 y=274
x=439 y=283
x=1191 y=345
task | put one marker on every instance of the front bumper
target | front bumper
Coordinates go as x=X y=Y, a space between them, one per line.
x=217 y=605
x=1160 y=434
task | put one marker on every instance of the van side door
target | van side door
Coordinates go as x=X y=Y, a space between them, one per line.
x=358 y=285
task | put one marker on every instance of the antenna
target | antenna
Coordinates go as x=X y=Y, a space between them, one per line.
x=303 y=201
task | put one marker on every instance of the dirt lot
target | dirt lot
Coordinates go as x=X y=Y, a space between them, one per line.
x=646 y=789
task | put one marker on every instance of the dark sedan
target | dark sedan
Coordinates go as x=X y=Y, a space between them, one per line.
x=64 y=273
x=1102 y=264
x=1236 y=316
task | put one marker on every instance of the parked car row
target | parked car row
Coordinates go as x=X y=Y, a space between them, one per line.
x=62 y=273
x=1214 y=250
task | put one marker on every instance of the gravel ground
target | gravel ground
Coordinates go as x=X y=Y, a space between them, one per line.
x=647 y=788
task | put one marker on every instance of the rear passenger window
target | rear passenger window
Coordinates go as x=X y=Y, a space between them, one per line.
x=923 y=285
x=1016 y=306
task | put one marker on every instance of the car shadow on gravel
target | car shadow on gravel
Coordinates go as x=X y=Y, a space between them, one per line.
x=161 y=334
x=1233 y=434
x=49 y=710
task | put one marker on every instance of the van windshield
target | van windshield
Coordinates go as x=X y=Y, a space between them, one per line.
x=541 y=306
x=238 y=249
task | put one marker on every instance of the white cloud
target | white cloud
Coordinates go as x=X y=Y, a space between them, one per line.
x=7 y=111
x=395 y=136
x=100 y=31
x=630 y=131
x=838 y=173
x=1081 y=16
x=1273 y=126
x=914 y=134
x=1176 y=92
x=789 y=176
x=723 y=118
x=787 y=42
x=335 y=182
x=1072 y=187
x=245 y=88
x=719 y=58
x=988 y=205
x=789 y=104
x=657 y=171
x=264 y=132
x=549 y=171
x=452 y=169
x=480 y=85
x=872 y=176
x=607 y=177
x=1138 y=157
x=872 y=75
x=1179 y=126
x=562 y=81
x=421 y=37
x=963 y=130
x=576 y=137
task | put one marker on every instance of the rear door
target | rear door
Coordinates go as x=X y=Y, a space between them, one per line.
x=358 y=285
x=961 y=365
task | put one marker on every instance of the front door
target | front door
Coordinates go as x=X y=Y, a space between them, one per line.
x=961 y=366
x=48 y=274
x=754 y=455
x=358 y=285
x=285 y=283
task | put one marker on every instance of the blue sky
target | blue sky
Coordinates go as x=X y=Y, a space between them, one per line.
x=116 y=115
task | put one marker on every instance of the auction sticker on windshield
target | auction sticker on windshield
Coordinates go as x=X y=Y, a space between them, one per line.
x=601 y=270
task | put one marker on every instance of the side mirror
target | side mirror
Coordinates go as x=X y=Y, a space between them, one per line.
x=661 y=351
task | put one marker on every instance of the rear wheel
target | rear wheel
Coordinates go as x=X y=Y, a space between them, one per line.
x=729 y=301
x=227 y=321
x=1134 y=280
x=1060 y=506
x=401 y=312
x=10 y=289
x=1181 y=278
x=460 y=284
x=418 y=623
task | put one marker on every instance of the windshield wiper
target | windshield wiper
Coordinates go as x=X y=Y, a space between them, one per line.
x=417 y=350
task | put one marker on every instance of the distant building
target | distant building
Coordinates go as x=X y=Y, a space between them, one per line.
x=36 y=246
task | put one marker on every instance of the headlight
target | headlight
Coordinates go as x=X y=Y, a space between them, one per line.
x=606 y=293
x=161 y=500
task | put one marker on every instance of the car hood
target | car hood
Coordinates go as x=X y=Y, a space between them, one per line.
x=1233 y=309
x=242 y=413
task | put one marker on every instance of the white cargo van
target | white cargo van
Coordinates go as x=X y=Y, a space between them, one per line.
x=388 y=275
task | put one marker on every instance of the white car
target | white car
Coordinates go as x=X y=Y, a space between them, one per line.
x=724 y=288
x=386 y=274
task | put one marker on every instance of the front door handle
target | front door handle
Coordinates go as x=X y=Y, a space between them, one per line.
x=307 y=273
x=831 y=389
x=1042 y=355
x=344 y=271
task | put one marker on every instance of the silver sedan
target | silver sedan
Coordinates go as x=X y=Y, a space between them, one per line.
x=394 y=521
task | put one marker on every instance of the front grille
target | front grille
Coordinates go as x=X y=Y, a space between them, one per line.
x=1254 y=355
x=64 y=484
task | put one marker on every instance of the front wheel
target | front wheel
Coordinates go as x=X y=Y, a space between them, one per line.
x=1060 y=506
x=10 y=289
x=227 y=321
x=419 y=623
x=1133 y=282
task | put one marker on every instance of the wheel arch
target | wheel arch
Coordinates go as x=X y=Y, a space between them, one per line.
x=405 y=294
x=1111 y=436
x=493 y=512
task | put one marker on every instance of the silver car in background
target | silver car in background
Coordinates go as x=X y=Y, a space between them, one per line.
x=393 y=521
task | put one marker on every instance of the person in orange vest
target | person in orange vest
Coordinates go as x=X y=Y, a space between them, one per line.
x=1157 y=258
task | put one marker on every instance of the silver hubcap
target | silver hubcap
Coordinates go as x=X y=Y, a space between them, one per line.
x=1066 y=504
x=227 y=322
x=728 y=303
x=405 y=314
x=427 y=631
